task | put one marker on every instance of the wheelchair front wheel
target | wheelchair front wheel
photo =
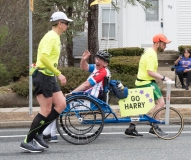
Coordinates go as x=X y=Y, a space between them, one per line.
x=175 y=126
x=78 y=125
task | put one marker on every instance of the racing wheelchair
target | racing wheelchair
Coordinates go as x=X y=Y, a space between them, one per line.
x=84 y=117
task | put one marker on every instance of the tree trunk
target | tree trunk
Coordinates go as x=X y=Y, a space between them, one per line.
x=93 y=45
x=69 y=43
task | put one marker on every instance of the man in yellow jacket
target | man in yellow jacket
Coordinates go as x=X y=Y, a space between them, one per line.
x=147 y=73
x=45 y=83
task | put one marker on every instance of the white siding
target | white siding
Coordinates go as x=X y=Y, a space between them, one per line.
x=169 y=11
x=104 y=43
x=133 y=18
x=120 y=26
x=131 y=25
x=184 y=22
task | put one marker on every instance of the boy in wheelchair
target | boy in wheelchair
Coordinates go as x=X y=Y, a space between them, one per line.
x=93 y=85
x=183 y=68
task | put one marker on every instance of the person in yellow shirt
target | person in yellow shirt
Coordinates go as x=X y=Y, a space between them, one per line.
x=45 y=84
x=147 y=73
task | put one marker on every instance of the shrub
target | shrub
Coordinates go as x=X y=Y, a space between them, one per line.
x=3 y=34
x=182 y=48
x=125 y=64
x=4 y=75
x=126 y=79
x=74 y=76
x=130 y=51
x=21 y=87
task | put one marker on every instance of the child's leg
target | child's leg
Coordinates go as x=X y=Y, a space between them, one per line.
x=53 y=129
x=47 y=130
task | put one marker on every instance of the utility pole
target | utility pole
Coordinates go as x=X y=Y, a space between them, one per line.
x=30 y=55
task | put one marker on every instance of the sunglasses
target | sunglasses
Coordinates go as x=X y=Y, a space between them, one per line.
x=66 y=23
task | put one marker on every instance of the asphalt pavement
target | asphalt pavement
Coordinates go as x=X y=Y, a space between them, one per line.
x=111 y=144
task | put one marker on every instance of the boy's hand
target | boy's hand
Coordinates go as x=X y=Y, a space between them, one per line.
x=86 y=55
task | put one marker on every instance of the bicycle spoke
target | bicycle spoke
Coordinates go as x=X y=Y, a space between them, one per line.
x=175 y=119
x=78 y=125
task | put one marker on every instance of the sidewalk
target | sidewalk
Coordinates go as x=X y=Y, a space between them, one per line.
x=20 y=117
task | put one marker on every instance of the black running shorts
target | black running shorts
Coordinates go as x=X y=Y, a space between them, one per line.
x=46 y=85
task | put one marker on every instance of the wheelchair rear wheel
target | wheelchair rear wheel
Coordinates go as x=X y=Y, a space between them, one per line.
x=78 y=123
x=175 y=126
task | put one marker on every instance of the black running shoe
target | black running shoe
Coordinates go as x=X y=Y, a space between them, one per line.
x=159 y=131
x=31 y=147
x=132 y=133
x=40 y=141
x=186 y=87
x=47 y=137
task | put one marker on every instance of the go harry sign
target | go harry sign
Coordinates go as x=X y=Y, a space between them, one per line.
x=139 y=101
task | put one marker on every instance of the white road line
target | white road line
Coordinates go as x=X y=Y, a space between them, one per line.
x=109 y=133
x=142 y=132
x=13 y=136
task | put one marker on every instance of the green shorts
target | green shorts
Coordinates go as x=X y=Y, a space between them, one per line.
x=156 y=90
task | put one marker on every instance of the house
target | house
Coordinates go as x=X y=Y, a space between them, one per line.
x=80 y=44
x=131 y=26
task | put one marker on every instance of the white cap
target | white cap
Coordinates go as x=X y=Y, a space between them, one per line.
x=59 y=16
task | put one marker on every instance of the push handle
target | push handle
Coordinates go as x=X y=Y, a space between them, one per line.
x=169 y=82
x=168 y=91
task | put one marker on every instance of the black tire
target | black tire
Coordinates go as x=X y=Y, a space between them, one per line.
x=175 y=121
x=74 y=125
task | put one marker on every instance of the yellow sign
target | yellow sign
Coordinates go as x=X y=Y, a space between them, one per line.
x=139 y=101
x=31 y=5
x=100 y=2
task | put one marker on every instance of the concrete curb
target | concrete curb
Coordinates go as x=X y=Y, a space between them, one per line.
x=15 y=124
x=23 y=124
x=15 y=100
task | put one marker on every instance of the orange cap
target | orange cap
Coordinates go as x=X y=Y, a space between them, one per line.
x=161 y=38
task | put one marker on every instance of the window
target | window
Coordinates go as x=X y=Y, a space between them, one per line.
x=153 y=14
x=108 y=23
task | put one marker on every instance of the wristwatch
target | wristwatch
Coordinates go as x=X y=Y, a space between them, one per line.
x=163 y=78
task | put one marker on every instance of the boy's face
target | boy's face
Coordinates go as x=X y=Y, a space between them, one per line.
x=100 y=63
